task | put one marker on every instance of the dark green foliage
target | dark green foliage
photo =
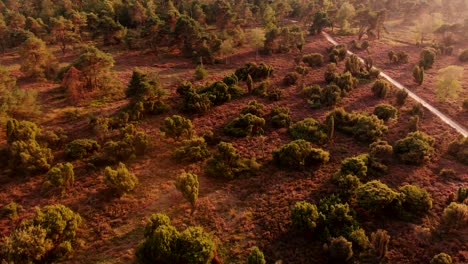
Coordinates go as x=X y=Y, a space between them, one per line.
x=399 y=57
x=120 y=181
x=354 y=166
x=193 y=150
x=164 y=244
x=313 y=59
x=256 y=256
x=280 y=117
x=320 y=21
x=414 y=200
x=184 y=87
x=337 y=53
x=200 y=73
x=187 y=184
x=254 y=108
x=401 y=96
x=258 y=72
x=10 y=211
x=463 y=57
x=418 y=74
x=427 y=58
x=462 y=194
x=313 y=94
x=310 y=130
x=337 y=217
x=21 y=130
x=343 y=120
x=299 y=153
x=385 y=111
x=455 y=215
x=61 y=175
x=81 y=148
x=28 y=157
x=217 y=92
x=353 y=65
x=381 y=88
x=177 y=127
x=302 y=70
x=380 y=151
x=195 y=102
x=330 y=73
x=346 y=82
x=262 y=89
x=330 y=95
x=340 y=250
x=245 y=125
x=211 y=138
x=441 y=258
x=47 y=238
x=291 y=78
x=459 y=149
x=304 y=217
x=227 y=163
x=359 y=239
x=417 y=110
x=368 y=128
x=275 y=94
x=416 y=148
x=376 y=197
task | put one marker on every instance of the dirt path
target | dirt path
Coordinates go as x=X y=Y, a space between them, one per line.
x=459 y=128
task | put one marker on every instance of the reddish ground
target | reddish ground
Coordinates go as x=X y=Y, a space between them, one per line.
x=247 y=211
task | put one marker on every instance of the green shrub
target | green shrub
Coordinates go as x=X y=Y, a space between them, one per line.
x=195 y=102
x=254 y=108
x=48 y=237
x=441 y=258
x=81 y=148
x=304 y=217
x=418 y=74
x=302 y=70
x=256 y=256
x=353 y=65
x=427 y=58
x=337 y=217
x=176 y=127
x=459 y=149
x=347 y=184
x=455 y=215
x=193 y=150
x=462 y=194
x=28 y=157
x=200 y=73
x=211 y=138
x=417 y=110
x=399 y=57
x=262 y=89
x=380 y=150
x=184 y=87
x=340 y=250
x=415 y=201
x=375 y=196
x=313 y=59
x=258 y=72
x=21 y=130
x=416 y=148
x=245 y=125
x=385 y=111
x=280 y=117
x=299 y=153
x=337 y=53
x=275 y=94
x=359 y=239
x=463 y=57
x=330 y=95
x=227 y=163
x=346 y=82
x=330 y=73
x=310 y=130
x=355 y=166
x=61 y=175
x=401 y=96
x=10 y=210
x=164 y=244
x=120 y=181
x=343 y=120
x=218 y=92
x=187 y=184
x=313 y=94
x=291 y=78
x=381 y=88
x=368 y=128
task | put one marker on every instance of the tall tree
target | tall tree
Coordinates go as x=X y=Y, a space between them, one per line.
x=448 y=82
x=36 y=60
x=63 y=33
x=94 y=65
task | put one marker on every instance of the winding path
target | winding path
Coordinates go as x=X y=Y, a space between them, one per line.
x=459 y=128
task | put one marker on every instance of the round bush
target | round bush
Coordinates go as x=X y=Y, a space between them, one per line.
x=81 y=148
x=375 y=196
x=120 y=181
x=256 y=256
x=441 y=258
x=304 y=216
x=385 y=111
x=340 y=250
x=310 y=130
x=381 y=88
x=415 y=200
x=416 y=148
x=299 y=153
x=455 y=215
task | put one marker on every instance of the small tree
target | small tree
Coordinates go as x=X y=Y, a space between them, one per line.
x=415 y=200
x=427 y=58
x=187 y=184
x=256 y=40
x=61 y=175
x=441 y=258
x=304 y=216
x=455 y=215
x=245 y=125
x=340 y=250
x=120 y=181
x=459 y=149
x=200 y=72
x=177 y=127
x=385 y=111
x=448 y=82
x=401 y=96
x=81 y=148
x=416 y=148
x=256 y=256
x=309 y=129
x=418 y=74
x=193 y=150
x=36 y=60
x=381 y=88
x=376 y=196
x=321 y=21
x=299 y=153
